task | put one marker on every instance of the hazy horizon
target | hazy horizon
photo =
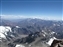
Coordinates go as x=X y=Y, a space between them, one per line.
x=41 y=9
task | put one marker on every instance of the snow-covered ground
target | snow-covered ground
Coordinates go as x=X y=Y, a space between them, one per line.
x=4 y=30
x=19 y=45
x=50 y=41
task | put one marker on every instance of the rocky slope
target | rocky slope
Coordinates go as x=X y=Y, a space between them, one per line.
x=30 y=32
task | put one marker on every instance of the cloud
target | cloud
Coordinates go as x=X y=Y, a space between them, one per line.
x=38 y=16
x=11 y=16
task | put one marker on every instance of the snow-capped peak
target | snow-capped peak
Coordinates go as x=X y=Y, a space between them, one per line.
x=4 y=29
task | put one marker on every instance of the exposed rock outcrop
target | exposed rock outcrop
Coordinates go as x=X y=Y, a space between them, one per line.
x=57 y=43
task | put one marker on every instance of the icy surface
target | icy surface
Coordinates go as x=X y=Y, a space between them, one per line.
x=4 y=30
x=50 y=41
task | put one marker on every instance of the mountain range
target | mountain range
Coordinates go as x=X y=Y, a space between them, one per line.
x=29 y=32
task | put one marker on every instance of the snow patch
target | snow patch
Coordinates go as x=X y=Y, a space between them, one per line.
x=4 y=30
x=52 y=32
x=44 y=32
x=19 y=45
x=2 y=35
x=17 y=27
x=50 y=41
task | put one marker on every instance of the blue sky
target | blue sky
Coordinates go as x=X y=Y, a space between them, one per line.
x=43 y=9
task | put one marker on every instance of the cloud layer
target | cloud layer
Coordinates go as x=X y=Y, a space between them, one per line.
x=39 y=17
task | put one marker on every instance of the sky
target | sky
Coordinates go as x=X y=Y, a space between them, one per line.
x=43 y=9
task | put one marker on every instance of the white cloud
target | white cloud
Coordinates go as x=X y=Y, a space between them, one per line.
x=38 y=16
